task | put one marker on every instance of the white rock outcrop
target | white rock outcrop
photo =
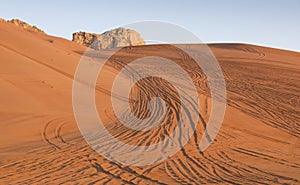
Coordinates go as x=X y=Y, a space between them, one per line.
x=119 y=37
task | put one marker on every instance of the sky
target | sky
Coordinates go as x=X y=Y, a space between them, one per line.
x=272 y=23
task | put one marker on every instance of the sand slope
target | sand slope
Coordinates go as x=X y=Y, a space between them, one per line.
x=40 y=142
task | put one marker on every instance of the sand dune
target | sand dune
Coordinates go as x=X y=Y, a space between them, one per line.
x=41 y=143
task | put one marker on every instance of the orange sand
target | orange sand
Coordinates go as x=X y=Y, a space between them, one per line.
x=40 y=141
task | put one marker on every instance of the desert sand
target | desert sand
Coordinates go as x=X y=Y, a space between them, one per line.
x=40 y=142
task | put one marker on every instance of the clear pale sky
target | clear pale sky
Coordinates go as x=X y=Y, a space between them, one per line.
x=273 y=23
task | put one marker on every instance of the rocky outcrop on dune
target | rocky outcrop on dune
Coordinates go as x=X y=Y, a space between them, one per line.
x=119 y=37
x=25 y=25
x=84 y=38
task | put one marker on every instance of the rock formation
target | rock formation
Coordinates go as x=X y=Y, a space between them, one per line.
x=84 y=38
x=25 y=25
x=119 y=37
